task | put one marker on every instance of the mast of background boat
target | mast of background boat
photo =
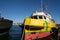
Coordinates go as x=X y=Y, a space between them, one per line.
x=0 y=15
x=42 y=5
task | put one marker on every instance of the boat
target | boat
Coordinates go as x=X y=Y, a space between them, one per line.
x=39 y=23
x=5 y=24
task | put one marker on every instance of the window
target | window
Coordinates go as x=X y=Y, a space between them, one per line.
x=44 y=17
x=34 y=17
x=40 y=17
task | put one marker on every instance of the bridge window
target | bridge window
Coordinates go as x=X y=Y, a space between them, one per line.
x=44 y=17
x=40 y=17
x=34 y=17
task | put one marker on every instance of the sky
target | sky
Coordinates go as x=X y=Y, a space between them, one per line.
x=17 y=10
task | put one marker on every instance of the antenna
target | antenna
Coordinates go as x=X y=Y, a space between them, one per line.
x=0 y=15
x=41 y=5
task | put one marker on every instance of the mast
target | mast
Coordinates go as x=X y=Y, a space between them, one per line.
x=41 y=5
x=0 y=15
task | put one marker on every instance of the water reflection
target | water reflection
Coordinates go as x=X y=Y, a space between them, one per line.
x=13 y=34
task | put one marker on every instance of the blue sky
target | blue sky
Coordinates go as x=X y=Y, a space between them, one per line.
x=17 y=10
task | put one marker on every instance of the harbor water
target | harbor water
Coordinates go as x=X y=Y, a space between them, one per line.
x=14 y=33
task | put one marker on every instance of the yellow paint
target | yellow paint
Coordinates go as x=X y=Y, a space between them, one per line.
x=38 y=23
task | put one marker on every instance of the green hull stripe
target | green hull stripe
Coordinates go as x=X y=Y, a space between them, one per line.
x=46 y=26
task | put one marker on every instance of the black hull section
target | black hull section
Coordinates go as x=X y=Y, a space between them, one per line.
x=5 y=25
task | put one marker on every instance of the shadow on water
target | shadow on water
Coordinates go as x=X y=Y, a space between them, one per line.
x=14 y=33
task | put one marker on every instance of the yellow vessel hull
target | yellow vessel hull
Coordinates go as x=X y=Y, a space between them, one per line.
x=47 y=25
